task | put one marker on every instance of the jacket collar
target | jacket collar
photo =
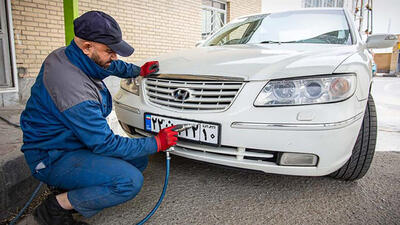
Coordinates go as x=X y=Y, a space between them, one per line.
x=83 y=62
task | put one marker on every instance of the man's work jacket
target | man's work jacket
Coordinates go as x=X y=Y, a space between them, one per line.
x=68 y=107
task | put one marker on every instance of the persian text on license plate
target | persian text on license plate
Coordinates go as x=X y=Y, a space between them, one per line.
x=203 y=132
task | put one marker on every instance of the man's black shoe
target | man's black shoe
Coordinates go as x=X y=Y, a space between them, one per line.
x=49 y=212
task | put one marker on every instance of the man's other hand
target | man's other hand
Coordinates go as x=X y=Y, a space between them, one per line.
x=149 y=68
x=166 y=138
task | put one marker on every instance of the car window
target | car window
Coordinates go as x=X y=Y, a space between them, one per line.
x=314 y=26
x=233 y=36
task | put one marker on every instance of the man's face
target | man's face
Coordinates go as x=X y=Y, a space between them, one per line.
x=101 y=54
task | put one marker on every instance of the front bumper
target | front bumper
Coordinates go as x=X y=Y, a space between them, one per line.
x=253 y=137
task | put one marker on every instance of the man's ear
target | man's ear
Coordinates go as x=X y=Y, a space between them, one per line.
x=86 y=47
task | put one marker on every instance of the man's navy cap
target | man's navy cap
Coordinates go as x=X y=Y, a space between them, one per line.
x=99 y=27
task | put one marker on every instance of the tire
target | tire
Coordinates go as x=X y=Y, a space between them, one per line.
x=364 y=148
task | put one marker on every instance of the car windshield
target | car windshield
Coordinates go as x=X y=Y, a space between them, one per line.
x=308 y=26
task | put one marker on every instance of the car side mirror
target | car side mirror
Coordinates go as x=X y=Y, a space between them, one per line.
x=381 y=41
x=200 y=43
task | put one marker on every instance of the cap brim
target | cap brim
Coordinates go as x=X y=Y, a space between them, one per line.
x=122 y=48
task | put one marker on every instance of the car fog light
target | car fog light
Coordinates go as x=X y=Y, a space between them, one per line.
x=298 y=159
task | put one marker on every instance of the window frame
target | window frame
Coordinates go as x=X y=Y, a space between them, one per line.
x=213 y=9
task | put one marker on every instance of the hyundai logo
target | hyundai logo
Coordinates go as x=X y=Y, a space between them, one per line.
x=181 y=94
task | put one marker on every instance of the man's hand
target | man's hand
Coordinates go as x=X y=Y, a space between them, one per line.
x=149 y=68
x=166 y=138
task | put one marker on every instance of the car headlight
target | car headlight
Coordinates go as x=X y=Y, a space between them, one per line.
x=131 y=84
x=311 y=90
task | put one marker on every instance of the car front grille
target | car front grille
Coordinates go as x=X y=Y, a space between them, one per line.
x=192 y=95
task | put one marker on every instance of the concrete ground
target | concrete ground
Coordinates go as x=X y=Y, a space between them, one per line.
x=201 y=193
x=16 y=183
x=386 y=93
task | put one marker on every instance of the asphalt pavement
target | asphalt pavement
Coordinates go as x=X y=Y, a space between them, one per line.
x=200 y=193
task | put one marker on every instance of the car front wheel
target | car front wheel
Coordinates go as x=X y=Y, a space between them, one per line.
x=363 y=152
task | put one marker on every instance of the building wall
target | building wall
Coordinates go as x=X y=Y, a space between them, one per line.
x=283 y=5
x=387 y=62
x=152 y=27
x=237 y=8
x=280 y=5
x=382 y=61
x=38 y=29
x=395 y=57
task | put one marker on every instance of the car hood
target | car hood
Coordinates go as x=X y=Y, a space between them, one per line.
x=257 y=62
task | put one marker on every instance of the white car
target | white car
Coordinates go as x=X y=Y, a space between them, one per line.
x=285 y=93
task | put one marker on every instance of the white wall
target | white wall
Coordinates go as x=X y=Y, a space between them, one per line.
x=386 y=13
x=282 y=5
x=279 y=5
x=386 y=19
x=386 y=16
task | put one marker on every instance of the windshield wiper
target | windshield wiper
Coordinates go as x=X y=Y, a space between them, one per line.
x=277 y=42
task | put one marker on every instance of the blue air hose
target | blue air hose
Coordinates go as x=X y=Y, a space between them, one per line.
x=168 y=157
x=27 y=204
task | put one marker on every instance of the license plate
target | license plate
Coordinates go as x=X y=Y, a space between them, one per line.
x=203 y=132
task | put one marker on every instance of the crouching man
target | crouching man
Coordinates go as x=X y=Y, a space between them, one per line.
x=67 y=141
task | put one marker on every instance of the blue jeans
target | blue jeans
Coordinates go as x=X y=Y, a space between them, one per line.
x=94 y=182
